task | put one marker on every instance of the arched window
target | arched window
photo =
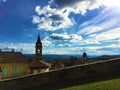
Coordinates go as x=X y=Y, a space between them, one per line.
x=38 y=50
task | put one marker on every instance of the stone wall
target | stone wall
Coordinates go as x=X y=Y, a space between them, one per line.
x=86 y=70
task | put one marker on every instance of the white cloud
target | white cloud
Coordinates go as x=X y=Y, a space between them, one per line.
x=79 y=6
x=102 y=28
x=52 y=18
x=62 y=45
x=36 y=19
x=53 y=50
x=108 y=35
x=89 y=41
x=92 y=26
x=65 y=36
x=97 y=50
x=62 y=36
x=63 y=9
x=25 y=47
x=49 y=24
x=111 y=3
x=76 y=38
x=112 y=36
x=46 y=42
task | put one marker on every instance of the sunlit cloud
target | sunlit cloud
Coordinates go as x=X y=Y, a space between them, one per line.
x=58 y=18
x=108 y=35
x=51 y=19
x=26 y=47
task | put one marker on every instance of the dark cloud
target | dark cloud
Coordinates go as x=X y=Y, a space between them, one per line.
x=64 y=3
x=60 y=37
x=56 y=17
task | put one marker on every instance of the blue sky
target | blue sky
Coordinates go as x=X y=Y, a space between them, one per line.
x=65 y=26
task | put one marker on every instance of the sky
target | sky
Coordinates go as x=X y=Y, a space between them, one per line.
x=65 y=26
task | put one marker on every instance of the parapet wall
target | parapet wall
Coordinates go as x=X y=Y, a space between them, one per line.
x=86 y=70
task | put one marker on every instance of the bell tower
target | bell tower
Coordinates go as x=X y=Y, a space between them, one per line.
x=84 y=57
x=38 y=49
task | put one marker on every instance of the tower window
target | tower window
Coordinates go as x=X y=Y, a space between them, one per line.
x=38 y=50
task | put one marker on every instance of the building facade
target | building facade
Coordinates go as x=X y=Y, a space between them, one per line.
x=13 y=64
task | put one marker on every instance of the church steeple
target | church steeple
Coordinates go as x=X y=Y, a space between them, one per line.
x=38 y=39
x=38 y=48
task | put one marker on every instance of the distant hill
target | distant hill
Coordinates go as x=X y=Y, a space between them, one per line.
x=53 y=56
x=106 y=57
x=64 y=57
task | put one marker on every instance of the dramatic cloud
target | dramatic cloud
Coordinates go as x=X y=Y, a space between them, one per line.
x=65 y=3
x=91 y=34
x=100 y=23
x=86 y=4
x=78 y=6
x=63 y=36
x=109 y=35
x=58 y=18
x=27 y=48
x=51 y=19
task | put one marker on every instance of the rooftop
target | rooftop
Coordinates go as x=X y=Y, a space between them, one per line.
x=11 y=57
x=39 y=64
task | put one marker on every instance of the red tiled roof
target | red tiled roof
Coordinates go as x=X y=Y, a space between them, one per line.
x=12 y=57
x=39 y=64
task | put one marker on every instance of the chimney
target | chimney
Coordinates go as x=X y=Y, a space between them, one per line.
x=13 y=50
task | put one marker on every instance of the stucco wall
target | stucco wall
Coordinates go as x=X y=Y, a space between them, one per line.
x=22 y=69
x=80 y=71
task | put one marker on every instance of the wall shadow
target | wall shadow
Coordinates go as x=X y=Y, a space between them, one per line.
x=79 y=81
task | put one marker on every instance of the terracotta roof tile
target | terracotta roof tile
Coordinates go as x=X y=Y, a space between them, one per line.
x=12 y=57
x=39 y=64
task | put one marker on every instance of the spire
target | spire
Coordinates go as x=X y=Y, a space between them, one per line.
x=38 y=40
x=38 y=48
